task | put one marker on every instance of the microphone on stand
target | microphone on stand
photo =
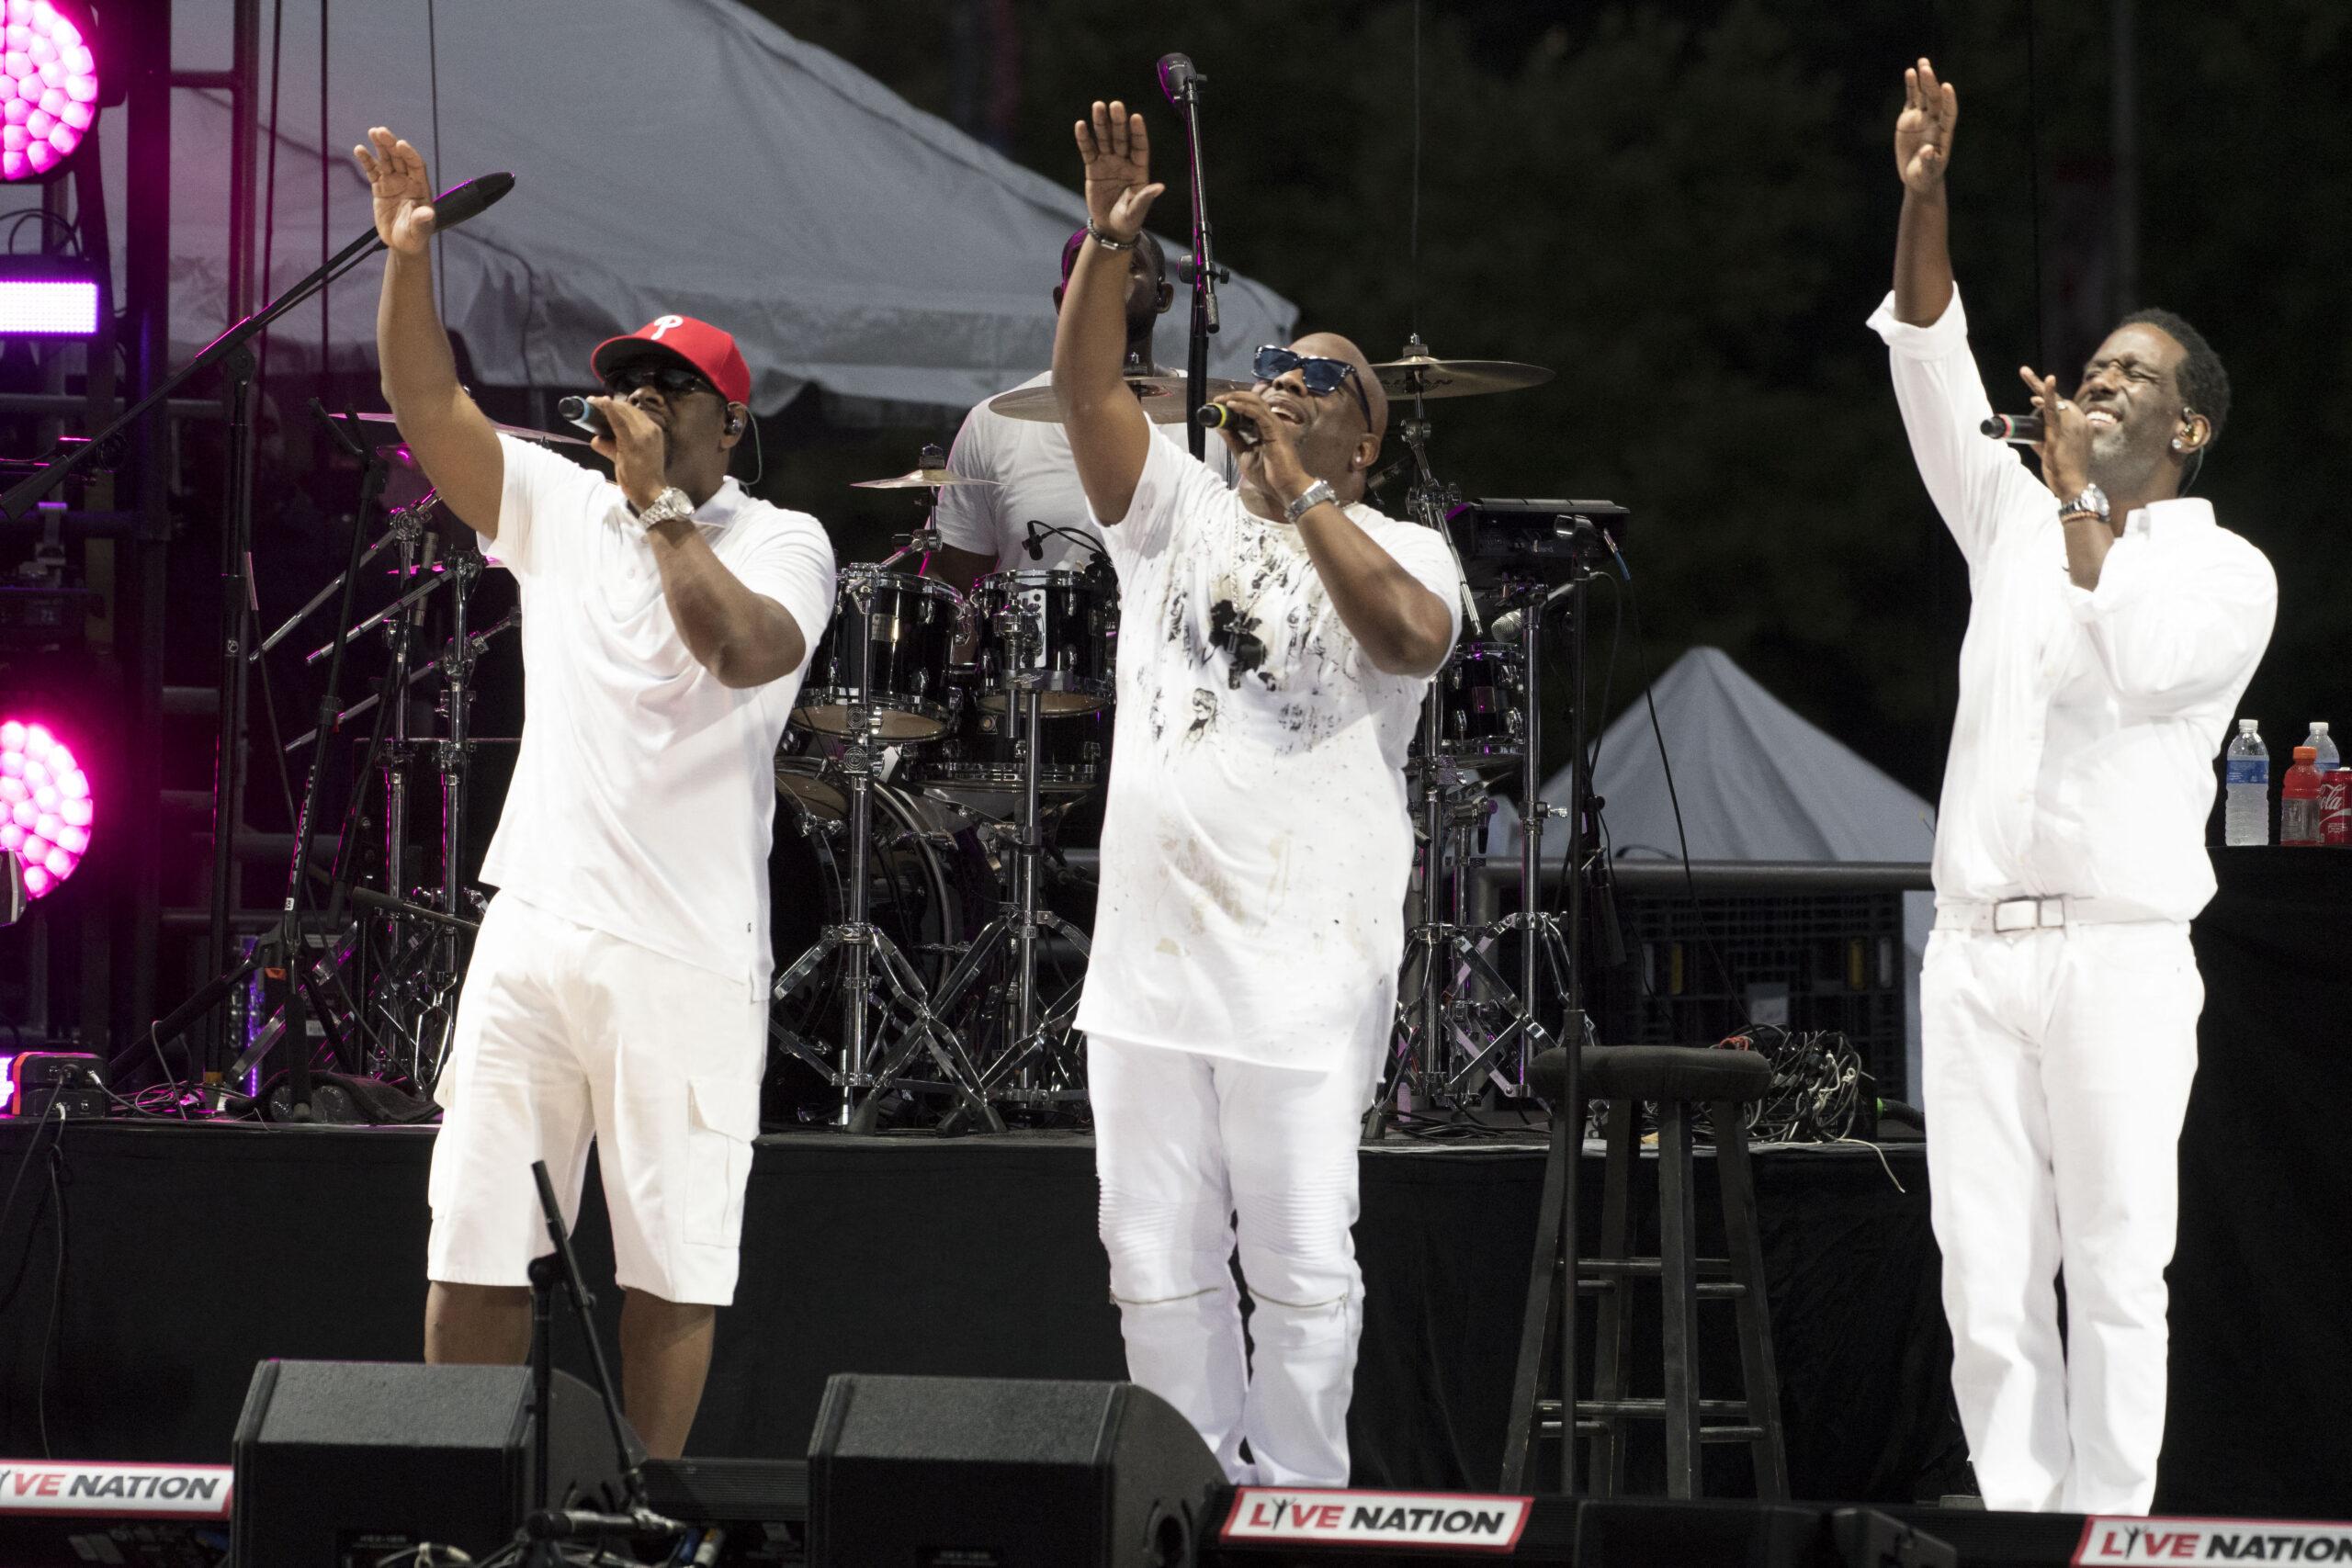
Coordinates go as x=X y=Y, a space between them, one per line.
x=1036 y=550
x=1178 y=78
x=467 y=200
x=2017 y=429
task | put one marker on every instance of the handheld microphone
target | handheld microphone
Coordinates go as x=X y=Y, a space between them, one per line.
x=2017 y=429
x=1177 y=79
x=1217 y=416
x=587 y=417
x=467 y=200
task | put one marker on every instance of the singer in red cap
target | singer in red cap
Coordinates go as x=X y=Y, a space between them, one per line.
x=617 y=991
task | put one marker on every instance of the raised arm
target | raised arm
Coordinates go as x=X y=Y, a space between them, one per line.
x=452 y=440
x=1923 y=282
x=1109 y=436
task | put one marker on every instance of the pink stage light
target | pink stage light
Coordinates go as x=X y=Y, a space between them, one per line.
x=47 y=307
x=45 y=810
x=48 y=86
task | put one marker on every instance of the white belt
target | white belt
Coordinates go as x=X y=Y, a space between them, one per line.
x=2013 y=915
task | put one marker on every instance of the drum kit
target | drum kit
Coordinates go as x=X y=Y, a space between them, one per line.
x=993 y=709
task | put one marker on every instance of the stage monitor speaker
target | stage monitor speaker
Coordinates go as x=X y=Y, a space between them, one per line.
x=345 y=1463
x=982 y=1473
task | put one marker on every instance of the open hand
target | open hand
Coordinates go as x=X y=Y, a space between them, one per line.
x=1118 y=153
x=2066 y=446
x=1923 y=130
x=395 y=174
x=639 y=449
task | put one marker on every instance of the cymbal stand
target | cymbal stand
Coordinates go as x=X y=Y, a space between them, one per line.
x=1422 y=1073
x=868 y=955
x=1040 y=1063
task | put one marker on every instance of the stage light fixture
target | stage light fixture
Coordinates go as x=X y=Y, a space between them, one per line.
x=45 y=806
x=48 y=86
x=50 y=297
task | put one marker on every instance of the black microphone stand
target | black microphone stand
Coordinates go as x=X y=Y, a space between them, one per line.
x=1182 y=83
x=561 y=1267
x=236 y=362
x=230 y=353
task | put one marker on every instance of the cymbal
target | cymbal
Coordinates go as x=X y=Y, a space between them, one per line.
x=1161 y=392
x=521 y=432
x=1418 y=374
x=930 y=472
x=933 y=477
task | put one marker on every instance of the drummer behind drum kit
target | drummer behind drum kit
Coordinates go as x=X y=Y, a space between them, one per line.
x=937 y=731
x=933 y=704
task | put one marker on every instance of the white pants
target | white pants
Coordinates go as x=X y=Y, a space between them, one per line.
x=566 y=1033
x=1183 y=1145
x=2057 y=1067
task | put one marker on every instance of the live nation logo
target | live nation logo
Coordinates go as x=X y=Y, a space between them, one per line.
x=1462 y=1521
x=175 y=1491
x=2114 y=1543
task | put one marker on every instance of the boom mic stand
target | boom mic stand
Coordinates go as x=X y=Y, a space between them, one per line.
x=228 y=351
x=1182 y=83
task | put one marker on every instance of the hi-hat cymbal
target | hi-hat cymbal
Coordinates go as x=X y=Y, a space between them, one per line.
x=920 y=479
x=1161 y=392
x=930 y=472
x=520 y=432
x=1418 y=374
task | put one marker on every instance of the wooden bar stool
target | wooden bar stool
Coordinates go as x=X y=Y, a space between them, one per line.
x=1677 y=1077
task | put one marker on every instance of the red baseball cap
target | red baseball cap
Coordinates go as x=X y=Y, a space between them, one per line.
x=698 y=345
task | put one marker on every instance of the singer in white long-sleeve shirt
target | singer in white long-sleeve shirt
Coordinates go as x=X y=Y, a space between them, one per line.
x=2113 y=627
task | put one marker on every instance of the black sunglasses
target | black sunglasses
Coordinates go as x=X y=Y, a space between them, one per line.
x=1321 y=377
x=670 y=380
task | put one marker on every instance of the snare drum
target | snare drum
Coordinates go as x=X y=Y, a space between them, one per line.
x=887 y=650
x=1482 y=699
x=977 y=767
x=1053 y=630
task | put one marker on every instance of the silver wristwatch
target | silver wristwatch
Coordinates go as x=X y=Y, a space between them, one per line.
x=1309 y=499
x=671 y=504
x=2093 y=500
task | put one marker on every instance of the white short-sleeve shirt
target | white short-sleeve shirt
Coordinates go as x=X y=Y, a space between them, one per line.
x=644 y=790
x=1036 y=481
x=1257 y=837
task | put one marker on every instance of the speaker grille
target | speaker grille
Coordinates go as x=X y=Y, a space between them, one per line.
x=396 y=1405
x=920 y=1418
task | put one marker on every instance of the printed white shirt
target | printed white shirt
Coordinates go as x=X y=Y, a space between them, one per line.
x=644 y=792
x=1036 y=481
x=2082 y=755
x=1257 y=838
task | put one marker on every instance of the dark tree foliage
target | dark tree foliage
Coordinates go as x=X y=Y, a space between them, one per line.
x=1688 y=210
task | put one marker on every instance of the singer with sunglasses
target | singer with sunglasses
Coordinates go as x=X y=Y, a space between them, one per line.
x=2113 y=624
x=617 y=991
x=1275 y=642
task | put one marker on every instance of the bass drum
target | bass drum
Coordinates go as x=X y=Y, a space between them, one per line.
x=920 y=882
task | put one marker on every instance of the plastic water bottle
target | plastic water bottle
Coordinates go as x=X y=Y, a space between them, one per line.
x=2299 y=801
x=2323 y=752
x=2247 y=816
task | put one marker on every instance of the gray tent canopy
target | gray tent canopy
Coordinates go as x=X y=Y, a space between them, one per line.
x=1756 y=783
x=669 y=155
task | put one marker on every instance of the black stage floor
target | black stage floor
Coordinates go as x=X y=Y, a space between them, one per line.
x=193 y=1252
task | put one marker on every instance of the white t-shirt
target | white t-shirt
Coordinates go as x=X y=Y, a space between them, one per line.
x=1036 y=482
x=1257 y=839
x=644 y=791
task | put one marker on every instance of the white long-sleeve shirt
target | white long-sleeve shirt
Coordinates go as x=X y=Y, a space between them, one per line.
x=2081 y=760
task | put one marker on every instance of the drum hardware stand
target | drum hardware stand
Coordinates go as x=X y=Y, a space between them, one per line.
x=1031 y=1042
x=1418 y=1071
x=861 y=944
